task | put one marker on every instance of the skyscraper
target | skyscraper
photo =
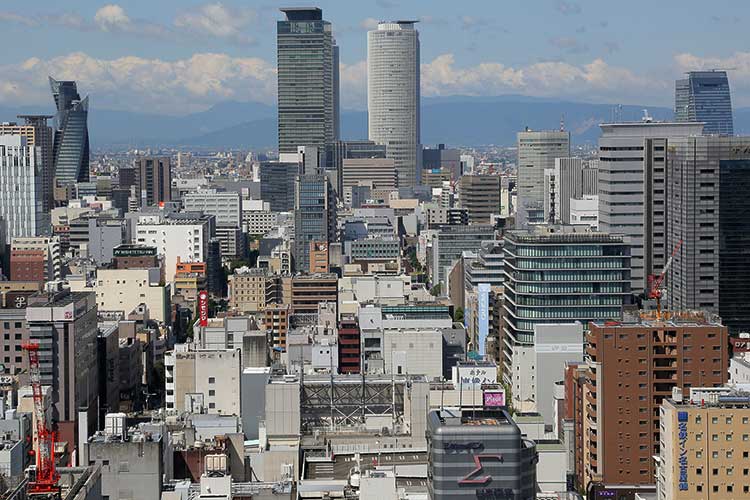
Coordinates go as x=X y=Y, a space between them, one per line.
x=154 y=178
x=21 y=189
x=632 y=197
x=307 y=80
x=71 y=142
x=38 y=134
x=704 y=97
x=708 y=209
x=537 y=151
x=393 y=95
x=314 y=216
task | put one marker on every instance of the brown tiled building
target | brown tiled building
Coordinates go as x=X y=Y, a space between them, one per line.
x=28 y=265
x=310 y=290
x=632 y=368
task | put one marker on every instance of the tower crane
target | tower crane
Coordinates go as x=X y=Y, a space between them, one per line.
x=655 y=288
x=45 y=484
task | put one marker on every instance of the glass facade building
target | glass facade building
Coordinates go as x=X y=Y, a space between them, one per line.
x=704 y=96
x=450 y=242
x=562 y=277
x=708 y=211
x=277 y=184
x=307 y=65
x=314 y=216
x=71 y=136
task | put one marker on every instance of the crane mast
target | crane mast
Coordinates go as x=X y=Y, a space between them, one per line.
x=655 y=288
x=45 y=484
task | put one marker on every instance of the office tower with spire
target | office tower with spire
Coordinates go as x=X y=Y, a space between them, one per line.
x=307 y=78
x=71 y=139
x=393 y=96
x=704 y=97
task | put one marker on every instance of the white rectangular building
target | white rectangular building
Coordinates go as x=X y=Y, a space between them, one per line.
x=21 y=189
x=177 y=235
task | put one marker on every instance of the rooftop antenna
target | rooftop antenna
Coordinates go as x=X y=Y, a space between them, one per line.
x=562 y=122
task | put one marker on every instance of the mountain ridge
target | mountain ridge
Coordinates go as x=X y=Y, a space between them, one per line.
x=454 y=120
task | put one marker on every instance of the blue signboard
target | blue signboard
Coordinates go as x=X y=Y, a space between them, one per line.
x=483 y=316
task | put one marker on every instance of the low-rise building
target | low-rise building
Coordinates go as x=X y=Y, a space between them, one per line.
x=203 y=380
x=247 y=290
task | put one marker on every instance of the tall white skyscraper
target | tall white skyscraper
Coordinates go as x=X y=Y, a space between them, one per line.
x=21 y=189
x=393 y=95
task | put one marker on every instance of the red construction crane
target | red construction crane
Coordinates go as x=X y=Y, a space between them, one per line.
x=45 y=483
x=655 y=283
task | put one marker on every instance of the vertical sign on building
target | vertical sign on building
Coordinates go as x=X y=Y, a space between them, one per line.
x=682 y=434
x=203 y=307
x=483 y=316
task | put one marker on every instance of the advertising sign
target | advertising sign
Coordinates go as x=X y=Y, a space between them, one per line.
x=203 y=307
x=483 y=316
x=494 y=399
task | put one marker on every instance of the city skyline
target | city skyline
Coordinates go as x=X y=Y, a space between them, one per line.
x=137 y=56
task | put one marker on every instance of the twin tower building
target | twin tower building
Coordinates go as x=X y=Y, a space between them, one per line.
x=308 y=88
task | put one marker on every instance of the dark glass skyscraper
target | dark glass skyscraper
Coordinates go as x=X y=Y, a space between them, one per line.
x=314 y=216
x=704 y=97
x=307 y=80
x=71 y=142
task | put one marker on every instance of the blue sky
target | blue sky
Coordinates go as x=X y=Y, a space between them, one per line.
x=175 y=56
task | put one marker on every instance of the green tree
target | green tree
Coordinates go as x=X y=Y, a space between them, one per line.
x=458 y=315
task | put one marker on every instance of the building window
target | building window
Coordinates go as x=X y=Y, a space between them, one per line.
x=212 y=392
x=211 y=380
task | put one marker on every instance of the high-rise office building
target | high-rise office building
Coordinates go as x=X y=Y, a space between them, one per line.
x=557 y=275
x=708 y=206
x=393 y=95
x=480 y=196
x=704 y=96
x=537 y=151
x=277 y=184
x=448 y=245
x=38 y=134
x=154 y=179
x=71 y=142
x=307 y=78
x=632 y=192
x=314 y=216
x=21 y=189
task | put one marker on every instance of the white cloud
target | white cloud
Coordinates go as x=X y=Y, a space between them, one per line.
x=369 y=24
x=220 y=21
x=594 y=81
x=146 y=85
x=196 y=83
x=112 y=17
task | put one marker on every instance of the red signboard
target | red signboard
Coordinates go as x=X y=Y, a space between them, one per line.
x=203 y=307
x=740 y=344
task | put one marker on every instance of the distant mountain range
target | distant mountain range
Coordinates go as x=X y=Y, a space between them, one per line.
x=454 y=120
